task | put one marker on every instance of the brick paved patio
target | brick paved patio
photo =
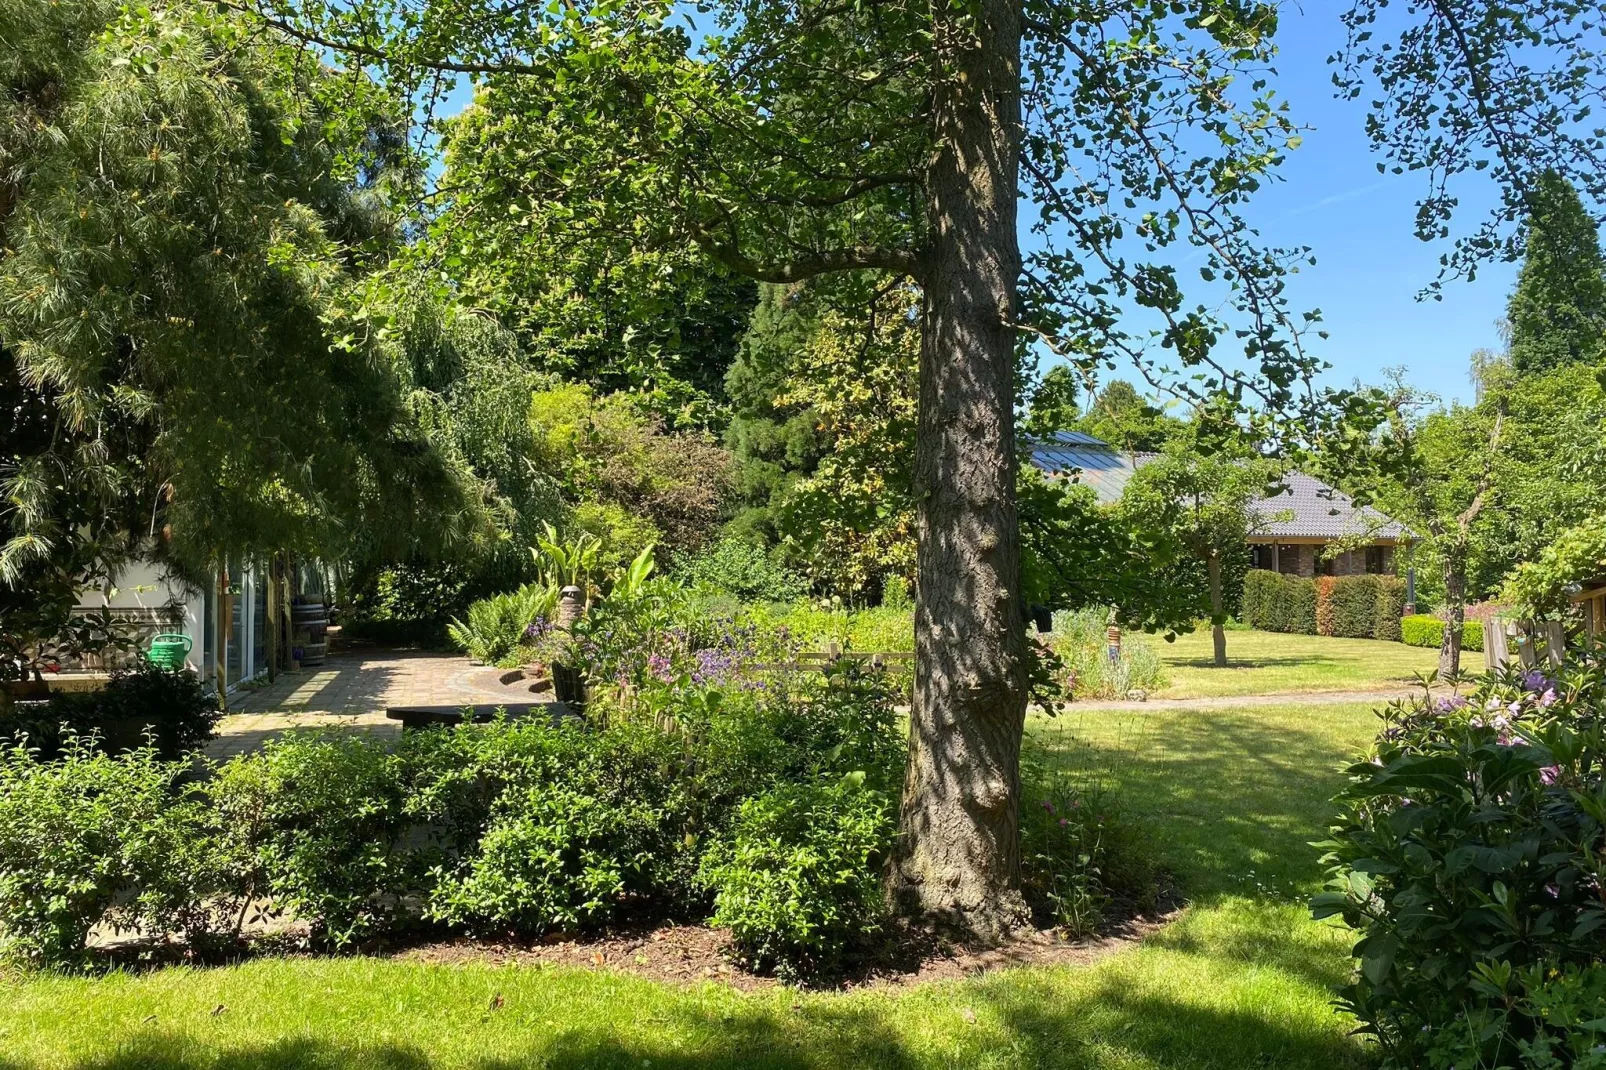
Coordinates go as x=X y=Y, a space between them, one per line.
x=352 y=691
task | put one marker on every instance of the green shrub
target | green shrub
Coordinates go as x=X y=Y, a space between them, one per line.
x=798 y=882
x=578 y=821
x=330 y=816
x=1354 y=600
x=1424 y=629
x=1274 y=602
x=741 y=569
x=411 y=604
x=90 y=839
x=496 y=625
x=172 y=711
x=555 y=856
x=1466 y=854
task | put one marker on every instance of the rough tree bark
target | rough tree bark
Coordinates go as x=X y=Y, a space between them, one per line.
x=958 y=855
x=1218 y=611
x=1455 y=611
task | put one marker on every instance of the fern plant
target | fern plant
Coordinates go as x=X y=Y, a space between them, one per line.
x=496 y=625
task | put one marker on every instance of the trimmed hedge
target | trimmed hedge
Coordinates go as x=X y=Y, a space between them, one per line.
x=1353 y=607
x=1389 y=609
x=1424 y=629
x=1274 y=602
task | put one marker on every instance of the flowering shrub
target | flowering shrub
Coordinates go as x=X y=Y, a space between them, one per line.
x=1078 y=855
x=1470 y=855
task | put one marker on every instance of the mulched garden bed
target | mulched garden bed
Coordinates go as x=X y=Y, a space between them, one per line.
x=691 y=954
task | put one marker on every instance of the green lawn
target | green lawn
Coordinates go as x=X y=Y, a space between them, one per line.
x=1241 y=980
x=1270 y=663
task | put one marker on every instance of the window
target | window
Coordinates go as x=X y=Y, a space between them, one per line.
x=1376 y=559
x=1260 y=556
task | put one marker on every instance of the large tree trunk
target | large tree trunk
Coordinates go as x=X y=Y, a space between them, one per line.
x=1218 y=612
x=1455 y=612
x=958 y=856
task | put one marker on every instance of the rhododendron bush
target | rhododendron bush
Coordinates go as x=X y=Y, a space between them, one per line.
x=1470 y=857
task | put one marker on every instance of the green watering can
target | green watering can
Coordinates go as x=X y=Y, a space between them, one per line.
x=169 y=650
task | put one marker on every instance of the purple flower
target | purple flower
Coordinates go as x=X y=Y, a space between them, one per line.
x=1552 y=891
x=1451 y=702
x=1048 y=806
x=1534 y=680
x=1549 y=775
x=659 y=666
x=1548 y=699
x=1064 y=822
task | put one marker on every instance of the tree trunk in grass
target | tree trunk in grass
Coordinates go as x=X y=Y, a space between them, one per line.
x=1455 y=611
x=958 y=854
x=1218 y=612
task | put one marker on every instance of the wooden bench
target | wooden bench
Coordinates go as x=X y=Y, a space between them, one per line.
x=424 y=716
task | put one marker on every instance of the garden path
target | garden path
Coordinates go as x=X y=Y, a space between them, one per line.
x=1234 y=702
x=353 y=690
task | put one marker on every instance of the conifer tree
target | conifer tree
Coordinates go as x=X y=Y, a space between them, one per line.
x=186 y=230
x=1558 y=309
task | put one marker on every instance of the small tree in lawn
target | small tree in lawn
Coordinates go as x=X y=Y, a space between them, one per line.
x=1209 y=504
x=1434 y=469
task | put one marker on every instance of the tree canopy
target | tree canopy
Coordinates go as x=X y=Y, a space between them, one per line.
x=187 y=216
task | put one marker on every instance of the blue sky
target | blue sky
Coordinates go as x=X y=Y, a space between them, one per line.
x=1358 y=223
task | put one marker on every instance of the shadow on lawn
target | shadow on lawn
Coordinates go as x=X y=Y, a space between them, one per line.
x=1134 y=1027
x=1224 y=794
x=1026 y=1026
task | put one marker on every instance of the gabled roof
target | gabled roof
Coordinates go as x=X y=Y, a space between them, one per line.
x=1320 y=511
x=1314 y=509
x=1086 y=459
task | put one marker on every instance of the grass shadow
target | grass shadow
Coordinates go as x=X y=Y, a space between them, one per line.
x=1230 y=798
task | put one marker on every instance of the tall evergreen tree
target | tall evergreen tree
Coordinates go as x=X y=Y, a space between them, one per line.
x=1558 y=310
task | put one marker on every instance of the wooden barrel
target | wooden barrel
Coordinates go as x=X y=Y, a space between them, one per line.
x=310 y=626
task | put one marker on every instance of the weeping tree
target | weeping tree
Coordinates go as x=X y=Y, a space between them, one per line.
x=186 y=362
x=803 y=138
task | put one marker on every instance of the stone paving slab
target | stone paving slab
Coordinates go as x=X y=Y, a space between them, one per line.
x=353 y=691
